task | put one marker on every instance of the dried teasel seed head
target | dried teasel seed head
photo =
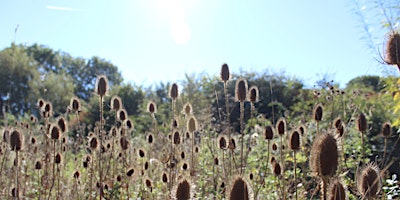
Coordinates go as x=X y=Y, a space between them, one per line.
x=152 y=107
x=141 y=153
x=362 y=123
x=187 y=109
x=14 y=192
x=175 y=123
x=6 y=135
x=75 y=104
x=232 y=144
x=40 y=103
x=222 y=142
x=337 y=122
x=276 y=168
x=150 y=138
x=93 y=143
x=192 y=124
x=62 y=123
x=253 y=94
x=122 y=115
x=124 y=143
x=368 y=180
x=240 y=189
x=77 y=174
x=101 y=85
x=294 y=140
x=241 y=90
x=337 y=191
x=173 y=91
x=393 y=49
x=269 y=132
x=58 y=158
x=164 y=177
x=116 y=103
x=182 y=190
x=386 y=129
x=281 y=126
x=318 y=112
x=185 y=166
x=16 y=140
x=176 y=138
x=38 y=165
x=129 y=124
x=225 y=75
x=55 y=132
x=324 y=155
x=340 y=130
x=183 y=155
x=130 y=172
x=216 y=161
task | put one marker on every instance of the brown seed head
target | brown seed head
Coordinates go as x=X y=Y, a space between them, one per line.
x=222 y=142
x=58 y=158
x=253 y=94
x=337 y=122
x=40 y=103
x=124 y=143
x=362 y=123
x=176 y=138
x=225 y=75
x=337 y=191
x=240 y=190
x=393 y=49
x=129 y=124
x=173 y=91
x=175 y=123
x=116 y=103
x=150 y=138
x=269 y=132
x=16 y=141
x=281 y=126
x=77 y=174
x=75 y=104
x=122 y=115
x=55 y=132
x=324 y=155
x=130 y=172
x=93 y=143
x=164 y=177
x=182 y=190
x=241 y=90
x=192 y=124
x=386 y=129
x=187 y=109
x=6 y=135
x=62 y=123
x=276 y=168
x=38 y=165
x=368 y=180
x=101 y=85
x=141 y=153
x=294 y=140
x=318 y=112
x=152 y=107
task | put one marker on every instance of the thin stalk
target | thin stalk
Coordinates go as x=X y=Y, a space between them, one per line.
x=294 y=170
x=101 y=146
x=242 y=135
x=16 y=174
x=54 y=167
x=228 y=121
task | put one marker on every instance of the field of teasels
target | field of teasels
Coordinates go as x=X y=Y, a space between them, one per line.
x=322 y=153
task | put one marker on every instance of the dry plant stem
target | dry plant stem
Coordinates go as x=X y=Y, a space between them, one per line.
x=101 y=146
x=54 y=167
x=294 y=171
x=362 y=146
x=324 y=187
x=39 y=183
x=242 y=135
x=16 y=174
x=228 y=121
x=384 y=152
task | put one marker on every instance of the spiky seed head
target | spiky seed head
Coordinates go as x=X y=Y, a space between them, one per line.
x=150 y=138
x=33 y=119
x=393 y=49
x=294 y=140
x=130 y=172
x=240 y=190
x=40 y=103
x=129 y=124
x=187 y=109
x=77 y=174
x=55 y=132
x=232 y=144
x=141 y=153
x=362 y=123
x=164 y=177
x=216 y=161
x=253 y=94
x=337 y=191
x=93 y=143
x=101 y=85
x=183 y=155
x=225 y=75
x=185 y=166
x=176 y=138
x=124 y=143
x=368 y=180
x=38 y=165
x=58 y=158
x=122 y=115
x=173 y=91
x=281 y=126
x=272 y=160
x=386 y=129
x=276 y=168
x=196 y=149
x=146 y=165
x=183 y=190
x=148 y=183
x=174 y=123
x=340 y=130
x=324 y=155
x=116 y=103
x=337 y=122
x=152 y=107
x=269 y=132
x=14 y=192
x=192 y=124
x=222 y=142
x=75 y=104
x=6 y=135
x=16 y=140
x=318 y=112
x=302 y=129
x=241 y=90
x=62 y=123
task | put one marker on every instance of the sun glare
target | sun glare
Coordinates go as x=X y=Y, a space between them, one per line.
x=174 y=12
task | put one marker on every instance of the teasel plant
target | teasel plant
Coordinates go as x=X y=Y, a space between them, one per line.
x=17 y=145
x=241 y=95
x=101 y=90
x=173 y=95
x=295 y=144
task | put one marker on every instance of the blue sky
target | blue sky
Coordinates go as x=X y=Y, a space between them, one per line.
x=160 y=40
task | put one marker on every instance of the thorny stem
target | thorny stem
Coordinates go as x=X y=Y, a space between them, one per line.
x=228 y=120
x=100 y=149
x=242 y=135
